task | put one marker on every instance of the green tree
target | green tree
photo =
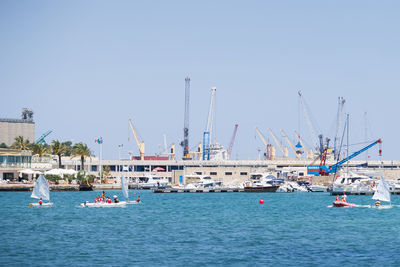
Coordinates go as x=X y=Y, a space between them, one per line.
x=81 y=150
x=3 y=145
x=68 y=148
x=21 y=143
x=40 y=149
x=58 y=149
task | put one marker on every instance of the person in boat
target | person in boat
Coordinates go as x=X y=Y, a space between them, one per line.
x=344 y=197
x=116 y=200
x=103 y=196
x=377 y=203
x=40 y=201
x=337 y=198
x=138 y=199
x=108 y=200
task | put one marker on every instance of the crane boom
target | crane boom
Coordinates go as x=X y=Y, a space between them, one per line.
x=185 y=142
x=310 y=152
x=339 y=115
x=290 y=144
x=139 y=143
x=262 y=137
x=284 y=153
x=334 y=167
x=232 y=141
x=43 y=136
x=308 y=120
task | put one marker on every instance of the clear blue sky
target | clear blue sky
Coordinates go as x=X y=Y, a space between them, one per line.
x=85 y=67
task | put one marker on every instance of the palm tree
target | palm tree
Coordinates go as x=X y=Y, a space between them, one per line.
x=58 y=149
x=20 y=143
x=40 y=149
x=81 y=150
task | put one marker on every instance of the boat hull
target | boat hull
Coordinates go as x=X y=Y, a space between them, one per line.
x=343 y=204
x=102 y=205
x=269 y=189
x=37 y=205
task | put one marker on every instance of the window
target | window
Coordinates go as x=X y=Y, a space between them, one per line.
x=198 y=173
x=243 y=173
x=228 y=173
x=213 y=173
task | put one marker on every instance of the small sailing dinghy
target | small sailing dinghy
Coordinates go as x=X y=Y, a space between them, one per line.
x=382 y=193
x=125 y=191
x=41 y=191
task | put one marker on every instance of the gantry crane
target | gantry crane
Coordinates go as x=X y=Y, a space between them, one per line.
x=139 y=143
x=285 y=152
x=296 y=152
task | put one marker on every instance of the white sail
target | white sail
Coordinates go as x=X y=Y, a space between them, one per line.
x=41 y=189
x=124 y=187
x=382 y=191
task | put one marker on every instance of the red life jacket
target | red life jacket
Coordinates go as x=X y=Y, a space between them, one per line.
x=109 y=201
x=40 y=202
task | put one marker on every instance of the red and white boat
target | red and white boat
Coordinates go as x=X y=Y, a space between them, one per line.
x=342 y=204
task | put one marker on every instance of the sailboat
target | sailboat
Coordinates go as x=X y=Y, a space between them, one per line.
x=41 y=190
x=125 y=192
x=382 y=193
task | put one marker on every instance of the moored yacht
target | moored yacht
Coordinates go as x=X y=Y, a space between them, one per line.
x=262 y=182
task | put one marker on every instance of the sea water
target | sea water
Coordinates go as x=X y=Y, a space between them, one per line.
x=189 y=229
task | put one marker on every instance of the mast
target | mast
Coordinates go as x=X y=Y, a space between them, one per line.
x=348 y=126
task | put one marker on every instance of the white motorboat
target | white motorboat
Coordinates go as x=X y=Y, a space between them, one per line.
x=41 y=191
x=202 y=181
x=317 y=188
x=151 y=182
x=353 y=183
x=262 y=182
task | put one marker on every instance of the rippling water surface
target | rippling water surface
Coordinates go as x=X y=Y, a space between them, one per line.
x=198 y=229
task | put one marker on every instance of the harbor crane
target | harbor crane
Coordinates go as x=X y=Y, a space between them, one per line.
x=232 y=141
x=185 y=142
x=311 y=129
x=208 y=133
x=139 y=143
x=171 y=154
x=297 y=152
x=284 y=151
x=310 y=152
x=325 y=170
x=270 y=150
x=336 y=141
x=42 y=137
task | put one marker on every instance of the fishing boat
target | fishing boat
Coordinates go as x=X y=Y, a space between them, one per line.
x=382 y=193
x=41 y=191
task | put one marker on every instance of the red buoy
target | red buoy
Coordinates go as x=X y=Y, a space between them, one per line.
x=261 y=201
